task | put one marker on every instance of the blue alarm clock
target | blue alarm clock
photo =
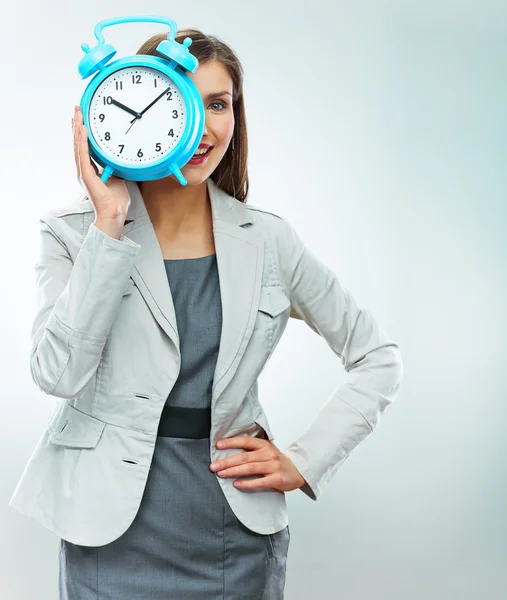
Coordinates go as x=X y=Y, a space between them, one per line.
x=144 y=115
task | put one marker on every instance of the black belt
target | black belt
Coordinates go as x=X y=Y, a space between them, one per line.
x=178 y=421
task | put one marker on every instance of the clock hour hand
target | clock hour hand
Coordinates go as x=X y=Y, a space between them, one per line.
x=129 y=110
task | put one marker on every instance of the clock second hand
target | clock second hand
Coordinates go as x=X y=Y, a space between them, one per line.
x=132 y=124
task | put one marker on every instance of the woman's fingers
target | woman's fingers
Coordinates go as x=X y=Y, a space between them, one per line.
x=98 y=171
x=75 y=140
x=77 y=122
x=88 y=175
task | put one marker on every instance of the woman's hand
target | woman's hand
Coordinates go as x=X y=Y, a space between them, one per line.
x=111 y=199
x=264 y=458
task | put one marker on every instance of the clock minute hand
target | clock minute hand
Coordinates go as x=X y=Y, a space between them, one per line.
x=129 y=110
x=139 y=115
x=156 y=100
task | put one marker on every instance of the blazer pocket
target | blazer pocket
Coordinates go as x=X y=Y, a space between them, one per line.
x=262 y=421
x=75 y=429
x=273 y=300
x=129 y=287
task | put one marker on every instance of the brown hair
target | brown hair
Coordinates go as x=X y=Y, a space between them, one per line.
x=231 y=175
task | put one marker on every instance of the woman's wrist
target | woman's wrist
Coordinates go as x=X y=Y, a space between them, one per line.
x=110 y=227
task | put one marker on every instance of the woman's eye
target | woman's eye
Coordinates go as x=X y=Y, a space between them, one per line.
x=222 y=104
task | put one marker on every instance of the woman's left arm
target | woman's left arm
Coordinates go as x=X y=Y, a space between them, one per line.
x=370 y=357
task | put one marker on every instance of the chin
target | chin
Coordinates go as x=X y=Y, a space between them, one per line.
x=196 y=174
x=194 y=178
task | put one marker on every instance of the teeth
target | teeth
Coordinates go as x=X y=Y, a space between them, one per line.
x=201 y=151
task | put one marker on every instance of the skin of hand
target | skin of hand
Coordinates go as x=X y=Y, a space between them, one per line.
x=111 y=200
x=264 y=458
x=75 y=135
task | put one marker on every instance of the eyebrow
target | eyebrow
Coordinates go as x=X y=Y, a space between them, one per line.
x=217 y=94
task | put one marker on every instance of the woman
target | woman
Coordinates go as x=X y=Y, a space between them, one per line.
x=181 y=218
x=191 y=534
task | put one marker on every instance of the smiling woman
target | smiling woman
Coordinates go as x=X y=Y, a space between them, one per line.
x=202 y=154
x=185 y=535
x=219 y=78
x=159 y=306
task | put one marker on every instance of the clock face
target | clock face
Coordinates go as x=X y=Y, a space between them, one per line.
x=137 y=115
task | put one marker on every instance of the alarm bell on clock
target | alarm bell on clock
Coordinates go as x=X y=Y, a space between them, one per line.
x=144 y=115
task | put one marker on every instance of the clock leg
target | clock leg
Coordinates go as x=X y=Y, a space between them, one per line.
x=179 y=175
x=106 y=173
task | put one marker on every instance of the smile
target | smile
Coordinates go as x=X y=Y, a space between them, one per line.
x=201 y=157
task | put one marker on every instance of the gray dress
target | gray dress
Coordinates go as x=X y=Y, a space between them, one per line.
x=185 y=542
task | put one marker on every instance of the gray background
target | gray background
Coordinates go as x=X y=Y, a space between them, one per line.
x=378 y=128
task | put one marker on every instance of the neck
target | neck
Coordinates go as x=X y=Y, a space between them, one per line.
x=175 y=209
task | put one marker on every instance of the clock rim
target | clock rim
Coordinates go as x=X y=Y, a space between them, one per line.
x=188 y=143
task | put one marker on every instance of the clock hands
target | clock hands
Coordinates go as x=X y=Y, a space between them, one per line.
x=129 y=110
x=139 y=115
x=132 y=124
x=152 y=103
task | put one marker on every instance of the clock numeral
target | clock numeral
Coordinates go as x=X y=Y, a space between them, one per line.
x=140 y=153
x=121 y=146
x=136 y=78
x=169 y=95
x=108 y=99
x=175 y=114
x=107 y=135
x=158 y=147
x=102 y=116
x=119 y=85
x=171 y=132
x=155 y=82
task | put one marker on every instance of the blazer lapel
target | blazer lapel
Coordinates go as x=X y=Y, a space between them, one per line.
x=240 y=256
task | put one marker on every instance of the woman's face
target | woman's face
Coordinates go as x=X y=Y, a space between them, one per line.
x=215 y=87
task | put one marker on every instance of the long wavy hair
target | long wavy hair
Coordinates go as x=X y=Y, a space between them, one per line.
x=231 y=175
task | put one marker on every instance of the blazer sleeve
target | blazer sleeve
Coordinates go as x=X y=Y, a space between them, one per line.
x=370 y=357
x=76 y=305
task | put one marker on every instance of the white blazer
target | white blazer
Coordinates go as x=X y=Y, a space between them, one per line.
x=105 y=341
